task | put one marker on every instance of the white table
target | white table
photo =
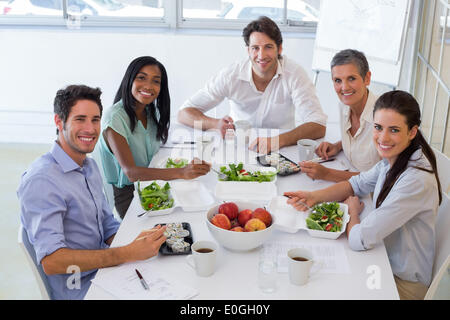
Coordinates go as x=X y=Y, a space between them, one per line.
x=236 y=273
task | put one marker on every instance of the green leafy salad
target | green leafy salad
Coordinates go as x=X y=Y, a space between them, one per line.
x=238 y=173
x=326 y=217
x=153 y=197
x=176 y=163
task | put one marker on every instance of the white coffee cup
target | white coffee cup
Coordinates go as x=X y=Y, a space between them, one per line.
x=306 y=148
x=203 y=258
x=300 y=263
x=243 y=128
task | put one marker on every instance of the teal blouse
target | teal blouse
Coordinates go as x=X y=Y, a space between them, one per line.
x=143 y=143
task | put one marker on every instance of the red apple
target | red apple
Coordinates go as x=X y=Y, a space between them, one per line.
x=244 y=216
x=221 y=221
x=234 y=223
x=230 y=209
x=254 y=224
x=263 y=215
x=238 y=229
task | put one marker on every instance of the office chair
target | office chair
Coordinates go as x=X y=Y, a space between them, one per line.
x=443 y=166
x=442 y=234
x=37 y=269
x=441 y=262
x=440 y=287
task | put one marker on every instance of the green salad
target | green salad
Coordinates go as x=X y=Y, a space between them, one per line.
x=153 y=197
x=238 y=173
x=326 y=217
x=176 y=163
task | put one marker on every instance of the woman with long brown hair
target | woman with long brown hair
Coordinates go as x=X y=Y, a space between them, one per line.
x=406 y=190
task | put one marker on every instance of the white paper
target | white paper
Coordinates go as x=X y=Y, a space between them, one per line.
x=331 y=256
x=336 y=164
x=123 y=283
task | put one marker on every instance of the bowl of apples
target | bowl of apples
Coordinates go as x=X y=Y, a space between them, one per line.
x=239 y=225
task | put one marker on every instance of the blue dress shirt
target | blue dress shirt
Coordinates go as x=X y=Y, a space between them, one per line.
x=63 y=206
x=404 y=221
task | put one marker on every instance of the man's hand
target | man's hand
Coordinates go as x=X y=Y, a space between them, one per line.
x=265 y=145
x=146 y=244
x=314 y=170
x=224 y=124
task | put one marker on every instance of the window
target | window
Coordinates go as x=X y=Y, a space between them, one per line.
x=432 y=76
x=113 y=8
x=86 y=12
x=291 y=15
x=237 y=13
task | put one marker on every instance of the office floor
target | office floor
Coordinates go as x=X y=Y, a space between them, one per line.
x=16 y=277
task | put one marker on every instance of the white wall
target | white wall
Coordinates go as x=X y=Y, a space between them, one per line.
x=34 y=64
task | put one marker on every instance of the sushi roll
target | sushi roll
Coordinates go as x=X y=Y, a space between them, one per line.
x=181 y=233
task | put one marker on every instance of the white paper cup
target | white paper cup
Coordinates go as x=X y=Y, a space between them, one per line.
x=204 y=263
x=306 y=148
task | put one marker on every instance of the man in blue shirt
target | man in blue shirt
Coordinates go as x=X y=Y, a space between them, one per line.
x=63 y=208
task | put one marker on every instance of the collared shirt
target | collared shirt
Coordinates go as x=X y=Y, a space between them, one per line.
x=289 y=89
x=359 y=149
x=142 y=141
x=404 y=221
x=63 y=206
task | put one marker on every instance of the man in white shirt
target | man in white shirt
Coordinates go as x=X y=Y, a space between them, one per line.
x=264 y=89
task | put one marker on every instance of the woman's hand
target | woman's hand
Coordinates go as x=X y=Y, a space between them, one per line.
x=195 y=169
x=314 y=170
x=310 y=198
x=355 y=207
x=326 y=150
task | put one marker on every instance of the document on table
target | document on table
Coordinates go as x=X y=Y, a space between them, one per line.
x=336 y=164
x=123 y=283
x=332 y=256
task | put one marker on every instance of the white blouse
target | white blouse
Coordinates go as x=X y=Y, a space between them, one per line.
x=360 y=149
x=404 y=221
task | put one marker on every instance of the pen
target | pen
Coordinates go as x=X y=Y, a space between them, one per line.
x=184 y=142
x=320 y=160
x=144 y=284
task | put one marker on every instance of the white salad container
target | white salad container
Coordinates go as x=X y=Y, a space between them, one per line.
x=189 y=195
x=290 y=220
x=247 y=190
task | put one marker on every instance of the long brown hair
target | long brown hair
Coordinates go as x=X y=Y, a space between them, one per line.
x=405 y=104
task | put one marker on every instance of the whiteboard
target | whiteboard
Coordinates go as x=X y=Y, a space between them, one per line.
x=375 y=27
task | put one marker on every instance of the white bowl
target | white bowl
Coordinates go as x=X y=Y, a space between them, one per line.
x=238 y=241
x=332 y=235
